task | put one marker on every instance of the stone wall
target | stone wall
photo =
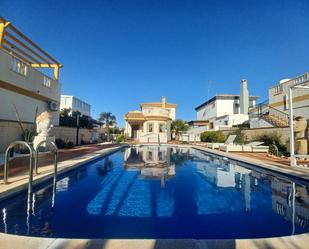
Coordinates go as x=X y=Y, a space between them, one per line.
x=69 y=134
x=10 y=131
x=253 y=132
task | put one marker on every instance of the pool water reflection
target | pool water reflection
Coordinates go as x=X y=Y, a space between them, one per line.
x=161 y=192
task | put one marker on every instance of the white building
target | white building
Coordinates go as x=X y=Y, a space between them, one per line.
x=75 y=104
x=152 y=124
x=25 y=92
x=226 y=110
x=275 y=112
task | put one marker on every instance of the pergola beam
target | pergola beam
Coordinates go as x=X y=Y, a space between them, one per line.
x=15 y=54
x=14 y=47
x=31 y=43
x=20 y=46
x=25 y=46
x=44 y=65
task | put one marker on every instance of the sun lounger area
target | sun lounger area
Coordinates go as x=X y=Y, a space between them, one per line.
x=230 y=146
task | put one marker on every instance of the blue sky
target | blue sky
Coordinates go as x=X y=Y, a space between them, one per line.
x=118 y=54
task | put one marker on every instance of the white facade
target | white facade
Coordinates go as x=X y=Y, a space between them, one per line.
x=26 y=92
x=223 y=111
x=75 y=104
x=152 y=124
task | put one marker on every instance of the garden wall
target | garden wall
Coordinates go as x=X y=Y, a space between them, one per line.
x=253 y=132
x=10 y=131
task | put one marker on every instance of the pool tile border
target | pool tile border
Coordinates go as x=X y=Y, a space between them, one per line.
x=22 y=242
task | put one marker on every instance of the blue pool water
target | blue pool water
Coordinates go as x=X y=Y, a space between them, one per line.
x=161 y=192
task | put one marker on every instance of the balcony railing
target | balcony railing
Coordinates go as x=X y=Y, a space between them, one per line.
x=278 y=89
x=156 y=112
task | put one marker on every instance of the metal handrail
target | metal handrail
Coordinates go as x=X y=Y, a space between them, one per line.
x=264 y=108
x=7 y=160
x=278 y=113
x=55 y=150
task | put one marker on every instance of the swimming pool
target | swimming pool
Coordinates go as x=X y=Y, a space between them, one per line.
x=161 y=192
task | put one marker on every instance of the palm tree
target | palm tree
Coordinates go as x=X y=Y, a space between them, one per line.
x=177 y=126
x=108 y=119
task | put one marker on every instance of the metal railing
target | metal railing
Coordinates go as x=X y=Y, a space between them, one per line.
x=55 y=151
x=264 y=108
x=280 y=114
x=7 y=162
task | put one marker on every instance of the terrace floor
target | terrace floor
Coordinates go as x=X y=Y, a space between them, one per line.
x=20 y=165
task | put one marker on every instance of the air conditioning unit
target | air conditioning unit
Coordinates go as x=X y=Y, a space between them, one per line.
x=53 y=106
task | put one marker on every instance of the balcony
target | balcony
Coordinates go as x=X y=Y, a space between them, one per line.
x=160 y=112
x=284 y=86
x=19 y=58
x=18 y=76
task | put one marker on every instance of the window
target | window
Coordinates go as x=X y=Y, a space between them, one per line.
x=211 y=125
x=19 y=67
x=226 y=122
x=213 y=105
x=149 y=155
x=285 y=102
x=162 y=127
x=160 y=156
x=46 y=82
x=150 y=127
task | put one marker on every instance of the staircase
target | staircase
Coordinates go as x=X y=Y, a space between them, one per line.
x=271 y=115
x=275 y=120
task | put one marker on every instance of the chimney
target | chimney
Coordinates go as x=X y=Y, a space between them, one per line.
x=163 y=102
x=244 y=97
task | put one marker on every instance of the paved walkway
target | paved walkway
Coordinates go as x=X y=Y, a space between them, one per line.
x=20 y=165
x=263 y=157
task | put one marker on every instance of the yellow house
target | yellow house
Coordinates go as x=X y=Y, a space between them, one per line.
x=152 y=124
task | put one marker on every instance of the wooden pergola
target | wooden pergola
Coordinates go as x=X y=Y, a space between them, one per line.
x=16 y=43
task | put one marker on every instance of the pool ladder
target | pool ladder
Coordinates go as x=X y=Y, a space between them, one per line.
x=33 y=164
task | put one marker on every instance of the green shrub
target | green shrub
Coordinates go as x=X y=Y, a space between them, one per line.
x=240 y=137
x=28 y=135
x=271 y=140
x=64 y=144
x=69 y=145
x=120 y=138
x=60 y=143
x=243 y=125
x=212 y=137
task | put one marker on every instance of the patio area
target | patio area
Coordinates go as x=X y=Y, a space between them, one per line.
x=20 y=165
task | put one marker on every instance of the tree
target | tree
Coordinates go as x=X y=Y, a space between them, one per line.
x=115 y=130
x=65 y=112
x=108 y=119
x=177 y=126
x=68 y=118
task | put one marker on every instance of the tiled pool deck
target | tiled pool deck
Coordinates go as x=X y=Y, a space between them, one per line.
x=19 y=183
